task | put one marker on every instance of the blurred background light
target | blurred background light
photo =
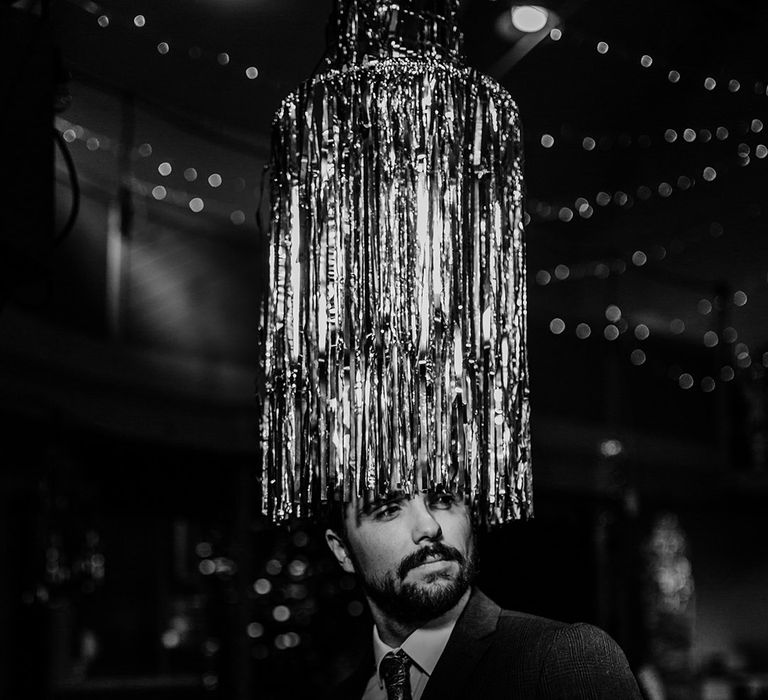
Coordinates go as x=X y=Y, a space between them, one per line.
x=529 y=18
x=611 y=448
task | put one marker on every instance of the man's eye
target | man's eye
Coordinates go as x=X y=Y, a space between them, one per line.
x=387 y=511
x=442 y=501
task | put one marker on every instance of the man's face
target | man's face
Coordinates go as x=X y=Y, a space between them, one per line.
x=414 y=556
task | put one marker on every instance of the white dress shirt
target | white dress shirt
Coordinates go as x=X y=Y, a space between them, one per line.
x=424 y=646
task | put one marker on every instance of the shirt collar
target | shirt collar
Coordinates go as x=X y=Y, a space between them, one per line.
x=424 y=645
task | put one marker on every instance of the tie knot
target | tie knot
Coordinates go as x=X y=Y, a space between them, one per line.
x=394 y=669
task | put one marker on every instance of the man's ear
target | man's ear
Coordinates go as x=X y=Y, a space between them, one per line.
x=340 y=551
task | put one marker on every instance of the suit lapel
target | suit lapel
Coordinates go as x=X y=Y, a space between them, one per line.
x=467 y=644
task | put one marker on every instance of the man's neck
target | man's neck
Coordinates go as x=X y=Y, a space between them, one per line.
x=394 y=632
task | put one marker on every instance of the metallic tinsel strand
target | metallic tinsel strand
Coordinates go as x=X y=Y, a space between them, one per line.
x=395 y=346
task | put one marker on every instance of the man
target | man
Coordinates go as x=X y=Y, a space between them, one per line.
x=435 y=636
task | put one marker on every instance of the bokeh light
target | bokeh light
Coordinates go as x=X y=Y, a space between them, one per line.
x=557 y=326
x=529 y=18
x=711 y=339
x=641 y=331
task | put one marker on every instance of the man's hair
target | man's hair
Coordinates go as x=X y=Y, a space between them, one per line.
x=334 y=516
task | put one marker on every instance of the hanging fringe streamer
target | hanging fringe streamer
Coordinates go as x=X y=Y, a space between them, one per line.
x=395 y=327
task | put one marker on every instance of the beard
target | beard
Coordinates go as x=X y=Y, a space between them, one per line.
x=419 y=601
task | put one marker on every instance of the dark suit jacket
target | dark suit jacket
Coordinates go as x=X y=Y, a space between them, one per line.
x=494 y=653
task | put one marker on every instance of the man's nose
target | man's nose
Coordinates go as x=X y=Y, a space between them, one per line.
x=425 y=527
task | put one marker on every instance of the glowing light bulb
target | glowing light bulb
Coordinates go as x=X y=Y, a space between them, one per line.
x=529 y=18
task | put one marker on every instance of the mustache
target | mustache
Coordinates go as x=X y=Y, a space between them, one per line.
x=437 y=549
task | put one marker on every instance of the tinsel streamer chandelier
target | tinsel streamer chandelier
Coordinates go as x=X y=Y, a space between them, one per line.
x=395 y=326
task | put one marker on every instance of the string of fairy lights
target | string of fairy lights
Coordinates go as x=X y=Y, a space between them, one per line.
x=617 y=325
x=594 y=142
x=139 y=22
x=656 y=64
x=540 y=210
x=583 y=208
x=95 y=141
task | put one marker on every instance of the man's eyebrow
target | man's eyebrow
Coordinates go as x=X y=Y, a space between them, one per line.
x=383 y=500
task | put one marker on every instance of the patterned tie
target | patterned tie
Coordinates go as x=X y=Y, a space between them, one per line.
x=394 y=669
